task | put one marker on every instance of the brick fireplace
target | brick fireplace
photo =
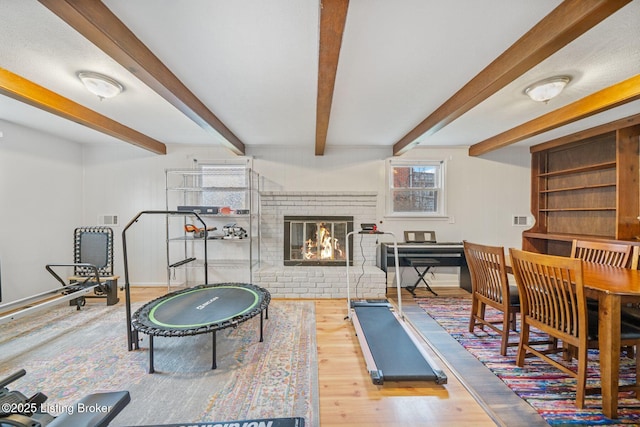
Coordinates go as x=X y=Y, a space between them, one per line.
x=311 y=240
x=317 y=281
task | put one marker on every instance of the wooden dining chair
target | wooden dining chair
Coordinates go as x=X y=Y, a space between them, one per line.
x=552 y=300
x=631 y=312
x=635 y=257
x=490 y=287
x=613 y=254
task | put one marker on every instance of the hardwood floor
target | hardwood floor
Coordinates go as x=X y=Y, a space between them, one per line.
x=349 y=398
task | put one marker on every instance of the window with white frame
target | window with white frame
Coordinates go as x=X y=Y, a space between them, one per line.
x=416 y=188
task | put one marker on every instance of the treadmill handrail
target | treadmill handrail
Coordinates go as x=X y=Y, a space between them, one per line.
x=397 y=270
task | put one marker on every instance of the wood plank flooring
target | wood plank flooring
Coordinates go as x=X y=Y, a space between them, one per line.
x=349 y=398
x=347 y=395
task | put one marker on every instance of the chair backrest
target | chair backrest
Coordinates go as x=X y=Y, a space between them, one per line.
x=93 y=245
x=552 y=294
x=488 y=271
x=635 y=257
x=614 y=254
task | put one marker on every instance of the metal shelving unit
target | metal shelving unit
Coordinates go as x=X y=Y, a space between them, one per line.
x=226 y=196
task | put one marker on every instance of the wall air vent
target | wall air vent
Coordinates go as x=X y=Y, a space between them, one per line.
x=520 y=220
x=108 y=220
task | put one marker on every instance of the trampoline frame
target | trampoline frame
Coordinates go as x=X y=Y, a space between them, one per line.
x=136 y=326
x=139 y=325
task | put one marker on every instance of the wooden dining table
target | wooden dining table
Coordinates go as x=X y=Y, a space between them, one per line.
x=612 y=287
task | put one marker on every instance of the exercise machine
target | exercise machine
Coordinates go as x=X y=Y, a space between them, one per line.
x=92 y=277
x=391 y=350
x=262 y=422
x=75 y=292
x=202 y=309
x=94 y=410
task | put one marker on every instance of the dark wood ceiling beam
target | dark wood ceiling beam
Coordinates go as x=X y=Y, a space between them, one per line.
x=611 y=97
x=564 y=24
x=587 y=133
x=333 y=15
x=21 y=89
x=100 y=26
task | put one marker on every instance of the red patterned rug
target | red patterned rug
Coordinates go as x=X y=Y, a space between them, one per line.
x=549 y=391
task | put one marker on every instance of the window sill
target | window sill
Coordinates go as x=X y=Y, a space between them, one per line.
x=417 y=216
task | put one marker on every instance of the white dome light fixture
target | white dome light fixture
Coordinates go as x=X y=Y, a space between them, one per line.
x=546 y=89
x=100 y=85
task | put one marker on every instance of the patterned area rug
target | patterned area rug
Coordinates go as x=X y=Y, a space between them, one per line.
x=68 y=354
x=545 y=388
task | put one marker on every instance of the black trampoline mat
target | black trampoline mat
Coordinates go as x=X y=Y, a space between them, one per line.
x=203 y=306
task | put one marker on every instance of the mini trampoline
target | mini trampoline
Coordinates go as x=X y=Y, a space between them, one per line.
x=197 y=310
x=200 y=310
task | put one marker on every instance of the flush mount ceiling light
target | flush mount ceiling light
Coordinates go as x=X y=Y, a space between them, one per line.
x=100 y=85
x=546 y=89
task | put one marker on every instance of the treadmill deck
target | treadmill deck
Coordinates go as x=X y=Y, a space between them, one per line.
x=395 y=353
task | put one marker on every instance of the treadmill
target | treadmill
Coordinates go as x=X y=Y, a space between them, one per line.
x=391 y=350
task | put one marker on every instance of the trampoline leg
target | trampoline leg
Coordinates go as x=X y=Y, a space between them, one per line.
x=214 y=364
x=261 y=324
x=266 y=310
x=136 y=344
x=151 y=369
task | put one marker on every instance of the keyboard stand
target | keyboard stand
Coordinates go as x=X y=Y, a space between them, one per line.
x=426 y=264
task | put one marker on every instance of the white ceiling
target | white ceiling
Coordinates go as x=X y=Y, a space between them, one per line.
x=254 y=64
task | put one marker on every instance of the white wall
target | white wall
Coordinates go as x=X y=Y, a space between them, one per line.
x=483 y=193
x=40 y=206
x=298 y=169
x=75 y=185
x=126 y=181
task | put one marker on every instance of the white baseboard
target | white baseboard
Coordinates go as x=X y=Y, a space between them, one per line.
x=154 y=284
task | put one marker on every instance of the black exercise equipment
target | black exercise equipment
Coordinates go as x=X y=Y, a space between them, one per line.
x=93 y=276
x=202 y=309
x=262 y=422
x=390 y=349
x=94 y=410
x=68 y=292
x=94 y=246
x=130 y=331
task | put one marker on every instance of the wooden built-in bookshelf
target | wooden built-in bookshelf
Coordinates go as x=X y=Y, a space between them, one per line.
x=586 y=186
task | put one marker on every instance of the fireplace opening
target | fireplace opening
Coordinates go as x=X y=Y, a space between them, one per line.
x=320 y=241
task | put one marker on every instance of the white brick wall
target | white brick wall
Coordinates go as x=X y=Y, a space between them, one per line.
x=318 y=282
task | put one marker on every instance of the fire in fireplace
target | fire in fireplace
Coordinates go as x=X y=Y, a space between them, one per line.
x=313 y=240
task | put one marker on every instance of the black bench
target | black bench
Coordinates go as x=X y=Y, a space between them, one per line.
x=425 y=264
